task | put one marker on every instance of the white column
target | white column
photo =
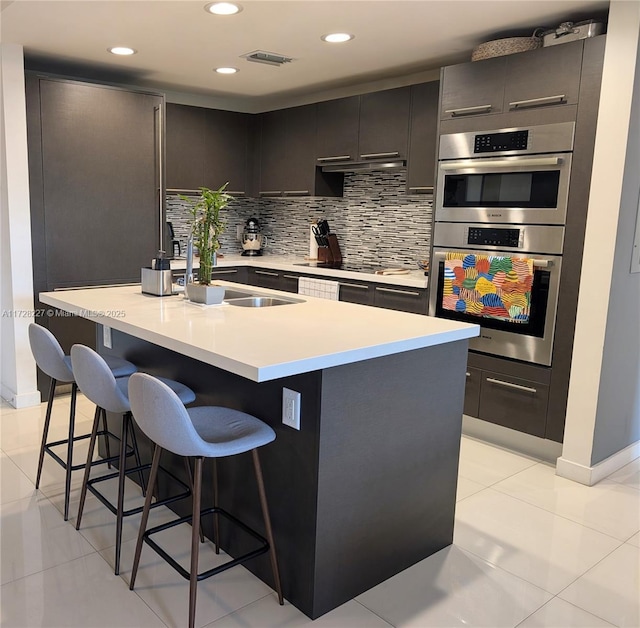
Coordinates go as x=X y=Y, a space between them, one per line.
x=600 y=242
x=18 y=374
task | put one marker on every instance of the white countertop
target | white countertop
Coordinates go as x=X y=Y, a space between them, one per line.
x=261 y=344
x=415 y=279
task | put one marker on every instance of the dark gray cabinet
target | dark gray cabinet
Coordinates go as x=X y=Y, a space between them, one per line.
x=264 y=278
x=207 y=147
x=288 y=156
x=472 y=392
x=527 y=80
x=399 y=298
x=353 y=291
x=337 y=130
x=384 y=124
x=423 y=128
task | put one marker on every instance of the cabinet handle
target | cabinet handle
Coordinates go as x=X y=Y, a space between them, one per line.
x=235 y=192
x=296 y=192
x=465 y=111
x=499 y=382
x=224 y=272
x=468 y=374
x=271 y=193
x=393 y=153
x=412 y=293
x=290 y=276
x=266 y=272
x=335 y=158
x=533 y=102
x=182 y=191
x=422 y=188
x=359 y=286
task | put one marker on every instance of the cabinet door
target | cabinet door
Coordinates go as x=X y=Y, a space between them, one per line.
x=185 y=144
x=544 y=77
x=401 y=299
x=474 y=88
x=472 y=392
x=515 y=403
x=288 y=282
x=237 y=275
x=273 y=153
x=384 y=123
x=264 y=278
x=421 y=163
x=356 y=292
x=226 y=150
x=337 y=135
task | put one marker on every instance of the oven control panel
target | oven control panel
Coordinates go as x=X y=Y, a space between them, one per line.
x=494 y=142
x=492 y=236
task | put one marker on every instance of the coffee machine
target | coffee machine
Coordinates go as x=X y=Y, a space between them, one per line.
x=252 y=240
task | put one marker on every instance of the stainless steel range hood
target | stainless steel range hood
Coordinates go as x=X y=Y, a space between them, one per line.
x=365 y=166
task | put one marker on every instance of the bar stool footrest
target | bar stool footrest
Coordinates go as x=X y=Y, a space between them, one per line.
x=263 y=549
x=77 y=467
x=134 y=511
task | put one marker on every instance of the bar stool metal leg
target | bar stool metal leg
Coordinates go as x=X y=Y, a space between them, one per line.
x=267 y=524
x=136 y=453
x=216 y=524
x=87 y=469
x=153 y=474
x=122 y=461
x=72 y=422
x=195 y=538
x=105 y=428
x=45 y=432
x=187 y=466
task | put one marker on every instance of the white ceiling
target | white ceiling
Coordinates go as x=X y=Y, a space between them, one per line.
x=179 y=44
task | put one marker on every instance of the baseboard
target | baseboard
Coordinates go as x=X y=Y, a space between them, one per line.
x=511 y=439
x=23 y=400
x=593 y=474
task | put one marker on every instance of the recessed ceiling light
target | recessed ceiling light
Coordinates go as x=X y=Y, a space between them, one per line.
x=226 y=70
x=122 y=51
x=337 y=38
x=223 y=8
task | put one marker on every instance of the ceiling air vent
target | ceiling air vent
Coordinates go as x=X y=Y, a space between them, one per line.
x=270 y=58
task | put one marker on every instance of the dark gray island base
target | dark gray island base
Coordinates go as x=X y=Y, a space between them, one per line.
x=365 y=489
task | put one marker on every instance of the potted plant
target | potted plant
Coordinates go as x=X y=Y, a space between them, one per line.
x=207 y=225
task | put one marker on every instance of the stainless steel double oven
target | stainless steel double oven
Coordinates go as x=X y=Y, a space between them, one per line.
x=504 y=193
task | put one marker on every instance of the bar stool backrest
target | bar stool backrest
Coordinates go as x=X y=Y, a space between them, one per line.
x=48 y=354
x=96 y=381
x=163 y=418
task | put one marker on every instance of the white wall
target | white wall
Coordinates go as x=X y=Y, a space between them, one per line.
x=598 y=406
x=18 y=372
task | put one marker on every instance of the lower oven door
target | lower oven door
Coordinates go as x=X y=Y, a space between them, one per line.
x=529 y=341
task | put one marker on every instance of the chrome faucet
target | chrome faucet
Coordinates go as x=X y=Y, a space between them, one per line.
x=188 y=276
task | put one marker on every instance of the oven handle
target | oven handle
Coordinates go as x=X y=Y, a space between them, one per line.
x=501 y=163
x=542 y=263
x=499 y=382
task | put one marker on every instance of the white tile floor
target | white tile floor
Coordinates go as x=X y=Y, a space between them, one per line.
x=530 y=550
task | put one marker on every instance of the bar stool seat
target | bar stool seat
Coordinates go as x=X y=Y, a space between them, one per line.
x=201 y=432
x=109 y=394
x=52 y=361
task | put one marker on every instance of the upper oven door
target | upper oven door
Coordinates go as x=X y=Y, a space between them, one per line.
x=531 y=189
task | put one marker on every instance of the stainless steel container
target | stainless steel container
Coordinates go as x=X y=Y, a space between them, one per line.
x=156 y=282
x=569 y=31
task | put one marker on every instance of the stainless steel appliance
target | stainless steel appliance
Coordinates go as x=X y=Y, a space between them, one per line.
x=516 y=175
x=531 y=341
x=252 y=240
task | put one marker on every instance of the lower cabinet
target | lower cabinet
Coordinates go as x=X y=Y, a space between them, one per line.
x=263 y=278
x=356 y=292
x=412 y=300
x=513 y=402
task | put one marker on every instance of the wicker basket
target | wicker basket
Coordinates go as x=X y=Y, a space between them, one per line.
x=507 y=46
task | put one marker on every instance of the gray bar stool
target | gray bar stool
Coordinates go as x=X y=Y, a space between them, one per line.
x=52 y=361
x=98 y=384
x=201 y=432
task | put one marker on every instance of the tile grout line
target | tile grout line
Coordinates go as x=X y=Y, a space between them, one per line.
x=376 y=614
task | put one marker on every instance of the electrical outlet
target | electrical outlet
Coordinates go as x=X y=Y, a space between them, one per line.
x=291 y=408
x=106 y=337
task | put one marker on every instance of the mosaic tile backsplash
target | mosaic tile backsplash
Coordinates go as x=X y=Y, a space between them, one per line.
x=376 y=222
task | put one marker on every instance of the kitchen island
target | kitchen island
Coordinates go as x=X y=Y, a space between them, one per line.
x=366 y=487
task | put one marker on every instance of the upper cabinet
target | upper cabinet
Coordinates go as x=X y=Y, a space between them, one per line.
x=384 y=124
x=421 y=163
x=526 y=80
x=337 y=130
x=206 y=147
x=287 y=155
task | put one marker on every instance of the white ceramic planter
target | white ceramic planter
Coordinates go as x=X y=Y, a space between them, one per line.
x=209 y=295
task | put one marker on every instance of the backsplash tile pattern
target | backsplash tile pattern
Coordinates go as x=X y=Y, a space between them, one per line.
x=376 y=222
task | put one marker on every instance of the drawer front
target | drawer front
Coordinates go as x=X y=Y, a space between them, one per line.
x=289 y=282
x=264 y=278
x=472 y=392
x=356 y=292
x=519 y=404
x=401 y=299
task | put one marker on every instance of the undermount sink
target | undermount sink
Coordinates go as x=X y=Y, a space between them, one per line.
x=236 y=294
x=262 y=301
